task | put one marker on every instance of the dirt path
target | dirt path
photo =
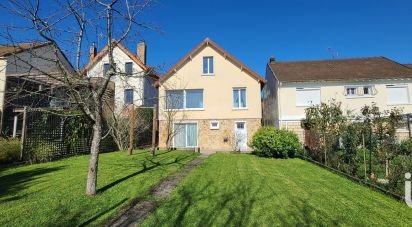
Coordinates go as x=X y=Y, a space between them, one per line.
x=138 y=211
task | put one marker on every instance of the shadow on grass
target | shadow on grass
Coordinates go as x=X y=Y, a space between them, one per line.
x=203 y=205
x=103 y=213
x=13 y=183
x=242 y=204
x=148 y=164
x=69 y=218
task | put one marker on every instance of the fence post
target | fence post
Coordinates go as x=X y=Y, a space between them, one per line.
x=154 y=129
x=131 y=131
x=408 y=118
x=23 y=132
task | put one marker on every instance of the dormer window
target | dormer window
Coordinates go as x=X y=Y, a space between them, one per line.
x=208 y=66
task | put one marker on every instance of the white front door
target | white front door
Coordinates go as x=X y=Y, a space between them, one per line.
x=240 y=136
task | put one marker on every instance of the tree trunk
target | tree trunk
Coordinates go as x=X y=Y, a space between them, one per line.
x=387 y=168
x=131 y=132
x=94 y=156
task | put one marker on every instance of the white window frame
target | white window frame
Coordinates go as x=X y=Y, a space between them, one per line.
x=184 y=100
x=359 y=91
x=126 y=63
x=246 y=102
x=307 y=89
x=397 y=86
x=197 y=133
x=214 y=127
x=124 y=96
x=355 y=89
x=208 y=66
x=370 y=90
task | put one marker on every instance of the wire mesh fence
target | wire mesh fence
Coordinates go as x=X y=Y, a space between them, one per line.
x=365 y=155
x=48 y=135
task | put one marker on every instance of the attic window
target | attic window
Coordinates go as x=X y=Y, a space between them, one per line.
x=208 y=66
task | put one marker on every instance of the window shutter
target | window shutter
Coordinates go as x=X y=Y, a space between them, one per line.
x=397 y=94
x=307 y=96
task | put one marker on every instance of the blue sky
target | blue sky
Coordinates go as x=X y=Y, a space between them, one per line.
x=290 y=30
x=253 y=31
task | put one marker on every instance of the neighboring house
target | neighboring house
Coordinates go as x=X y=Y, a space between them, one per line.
x=25 y=80
x=209 y=100
x=135 y=82
x=294 y=86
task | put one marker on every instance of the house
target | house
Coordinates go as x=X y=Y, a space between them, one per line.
x=209 y=100
x=26 y=79
x=134 y=82
x=294 y=86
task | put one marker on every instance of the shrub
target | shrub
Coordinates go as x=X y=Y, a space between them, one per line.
x=43 y=152
x=405 y=147
x=400 y=165
x=9 y=150
x=277 y=143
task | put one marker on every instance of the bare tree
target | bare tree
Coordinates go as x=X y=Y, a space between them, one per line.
x=137 y=118
x=67 y=30
x=173 y=112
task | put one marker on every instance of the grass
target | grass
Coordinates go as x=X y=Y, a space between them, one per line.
x=244 y=190
x=54 y=193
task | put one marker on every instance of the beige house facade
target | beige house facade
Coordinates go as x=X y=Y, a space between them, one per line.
x=209 y=101
x=294 y=86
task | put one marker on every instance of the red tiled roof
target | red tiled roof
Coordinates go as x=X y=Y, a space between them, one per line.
x=340 y=69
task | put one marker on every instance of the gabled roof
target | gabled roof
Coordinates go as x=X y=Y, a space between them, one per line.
x=408 y=65
x=6 y=50
x=201 y=46
x=101 y=54
x=340 y=69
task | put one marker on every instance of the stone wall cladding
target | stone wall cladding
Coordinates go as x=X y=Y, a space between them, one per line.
x=295 y=127
x=221 y=139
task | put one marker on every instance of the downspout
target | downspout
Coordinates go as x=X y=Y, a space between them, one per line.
x=280 y=121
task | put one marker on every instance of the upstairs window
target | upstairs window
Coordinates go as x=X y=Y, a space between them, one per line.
x=184 y=99
x=357 y=91
x=128 y=68
x=351 y=91
x=239 y=98
x=106 y=68
x=194 y=98
x=397 y=94
x=307 y=96
x=174 y=99
x=208 y=66
x=128 y=96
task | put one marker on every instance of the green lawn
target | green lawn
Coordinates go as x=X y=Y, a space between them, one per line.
x=53 y=193
x=244 y=190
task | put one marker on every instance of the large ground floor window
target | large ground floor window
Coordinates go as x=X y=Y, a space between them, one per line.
x=185 y=135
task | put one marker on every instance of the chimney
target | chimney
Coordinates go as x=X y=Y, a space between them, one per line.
x=272 y=59
x=141 y=51
x=92 y=52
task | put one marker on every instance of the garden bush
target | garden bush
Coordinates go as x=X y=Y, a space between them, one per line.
x=277 y=143
x=405 y=147
x=400 y=165
x=9 y=150
x=43 y=152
